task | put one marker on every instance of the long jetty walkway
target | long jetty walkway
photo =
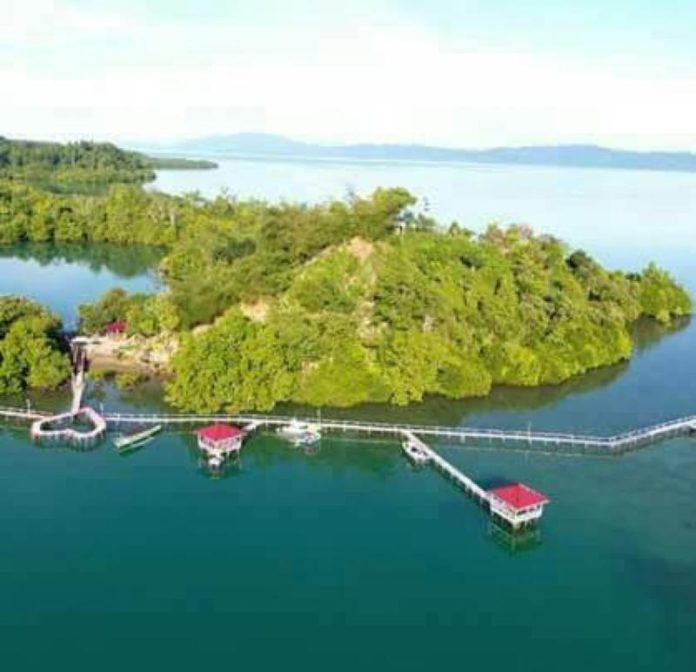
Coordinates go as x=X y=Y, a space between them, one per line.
x=449 y=470
x=78 y=383
x=516 y=505
x=550 y=440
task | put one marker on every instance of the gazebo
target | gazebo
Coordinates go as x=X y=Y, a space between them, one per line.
x=219 y=441
x=117 y=328
x=517 y=504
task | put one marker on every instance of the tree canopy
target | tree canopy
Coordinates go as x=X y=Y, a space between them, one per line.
x=82 y=162
x=348 y=301
x=31 y=355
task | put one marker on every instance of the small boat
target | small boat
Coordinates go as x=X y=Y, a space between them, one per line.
x=304 y=432
x=415 y=453
x=135 y=436
x=309 y=438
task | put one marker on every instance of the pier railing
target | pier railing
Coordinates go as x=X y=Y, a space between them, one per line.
x=615 y=443
x=551 y=440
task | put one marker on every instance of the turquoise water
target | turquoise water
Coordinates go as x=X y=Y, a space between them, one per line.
x=64 y=276
x=349 y=558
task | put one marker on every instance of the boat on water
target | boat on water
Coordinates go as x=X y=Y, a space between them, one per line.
x=307 y=439
x=300 y=433
x=415 y=453
x=135 y=436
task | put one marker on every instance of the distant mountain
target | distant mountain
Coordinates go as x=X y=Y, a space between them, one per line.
x=262 y=144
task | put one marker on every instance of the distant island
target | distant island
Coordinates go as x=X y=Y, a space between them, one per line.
x=83 y=162
x=360 y=300
x=587 y=156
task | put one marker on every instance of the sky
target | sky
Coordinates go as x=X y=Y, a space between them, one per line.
x=461 y=73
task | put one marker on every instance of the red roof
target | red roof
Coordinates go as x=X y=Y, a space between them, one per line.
x=519 y=496
x=219 y=432
x=117 y=327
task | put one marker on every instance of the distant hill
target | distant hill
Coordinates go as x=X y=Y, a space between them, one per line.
x=592 y=156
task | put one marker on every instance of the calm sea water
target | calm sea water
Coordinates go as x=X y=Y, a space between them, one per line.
x=64 y=276
x=349 y=557
x=625 y=218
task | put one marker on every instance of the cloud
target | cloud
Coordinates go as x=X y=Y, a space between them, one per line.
x=41 y=22
x=354 y=82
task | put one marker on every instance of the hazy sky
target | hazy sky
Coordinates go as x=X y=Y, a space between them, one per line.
x=453 y=72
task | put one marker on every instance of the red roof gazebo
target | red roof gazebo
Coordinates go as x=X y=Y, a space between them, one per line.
x=116 y=328
x=517 y=503
x=220 y=438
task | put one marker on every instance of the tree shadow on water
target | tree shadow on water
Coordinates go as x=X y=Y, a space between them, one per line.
x=125 y=261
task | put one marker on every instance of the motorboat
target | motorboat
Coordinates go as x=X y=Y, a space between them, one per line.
x=134 y=437
x=300 y=433
x=414 y=452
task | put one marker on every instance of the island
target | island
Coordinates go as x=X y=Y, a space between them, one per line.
x=78 y=163
x=365 y=299
x=576 y=156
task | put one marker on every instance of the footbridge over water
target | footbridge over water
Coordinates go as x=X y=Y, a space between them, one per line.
x=551 y=441
x=78 y=382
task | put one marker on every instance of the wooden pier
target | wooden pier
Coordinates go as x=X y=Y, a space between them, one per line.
x=442 y=465
x=21 y=414
x=517 y=513
x=551 y=441
x=43 y=429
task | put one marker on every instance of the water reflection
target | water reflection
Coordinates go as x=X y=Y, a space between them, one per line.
x=514 y=542
x=648 y=333
x=228 y=468
x=125 y=261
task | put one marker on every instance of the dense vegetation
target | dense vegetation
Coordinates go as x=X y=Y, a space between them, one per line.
x=145 y=314
x=30 y=349
x=393 y=319
x=81 y=162
x=348 y=301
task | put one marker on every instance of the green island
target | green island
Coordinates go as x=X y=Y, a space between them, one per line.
x=359 y=300
x=54 y=165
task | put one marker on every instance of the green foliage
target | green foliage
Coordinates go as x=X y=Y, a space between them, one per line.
x=328 y=284
x=423 y=313
x=74 y=162
x=30 y=352
x=77 y=163
x=149 y=315
x=128 y=380
x=145 y=314
x=661 y=297
x=177 y=163
x=112 y=307
x=367 y=300
x=235 y=365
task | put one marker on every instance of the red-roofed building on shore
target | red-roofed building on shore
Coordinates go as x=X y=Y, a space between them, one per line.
x=117 y=328
x=218 y=441
x=517 y=504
